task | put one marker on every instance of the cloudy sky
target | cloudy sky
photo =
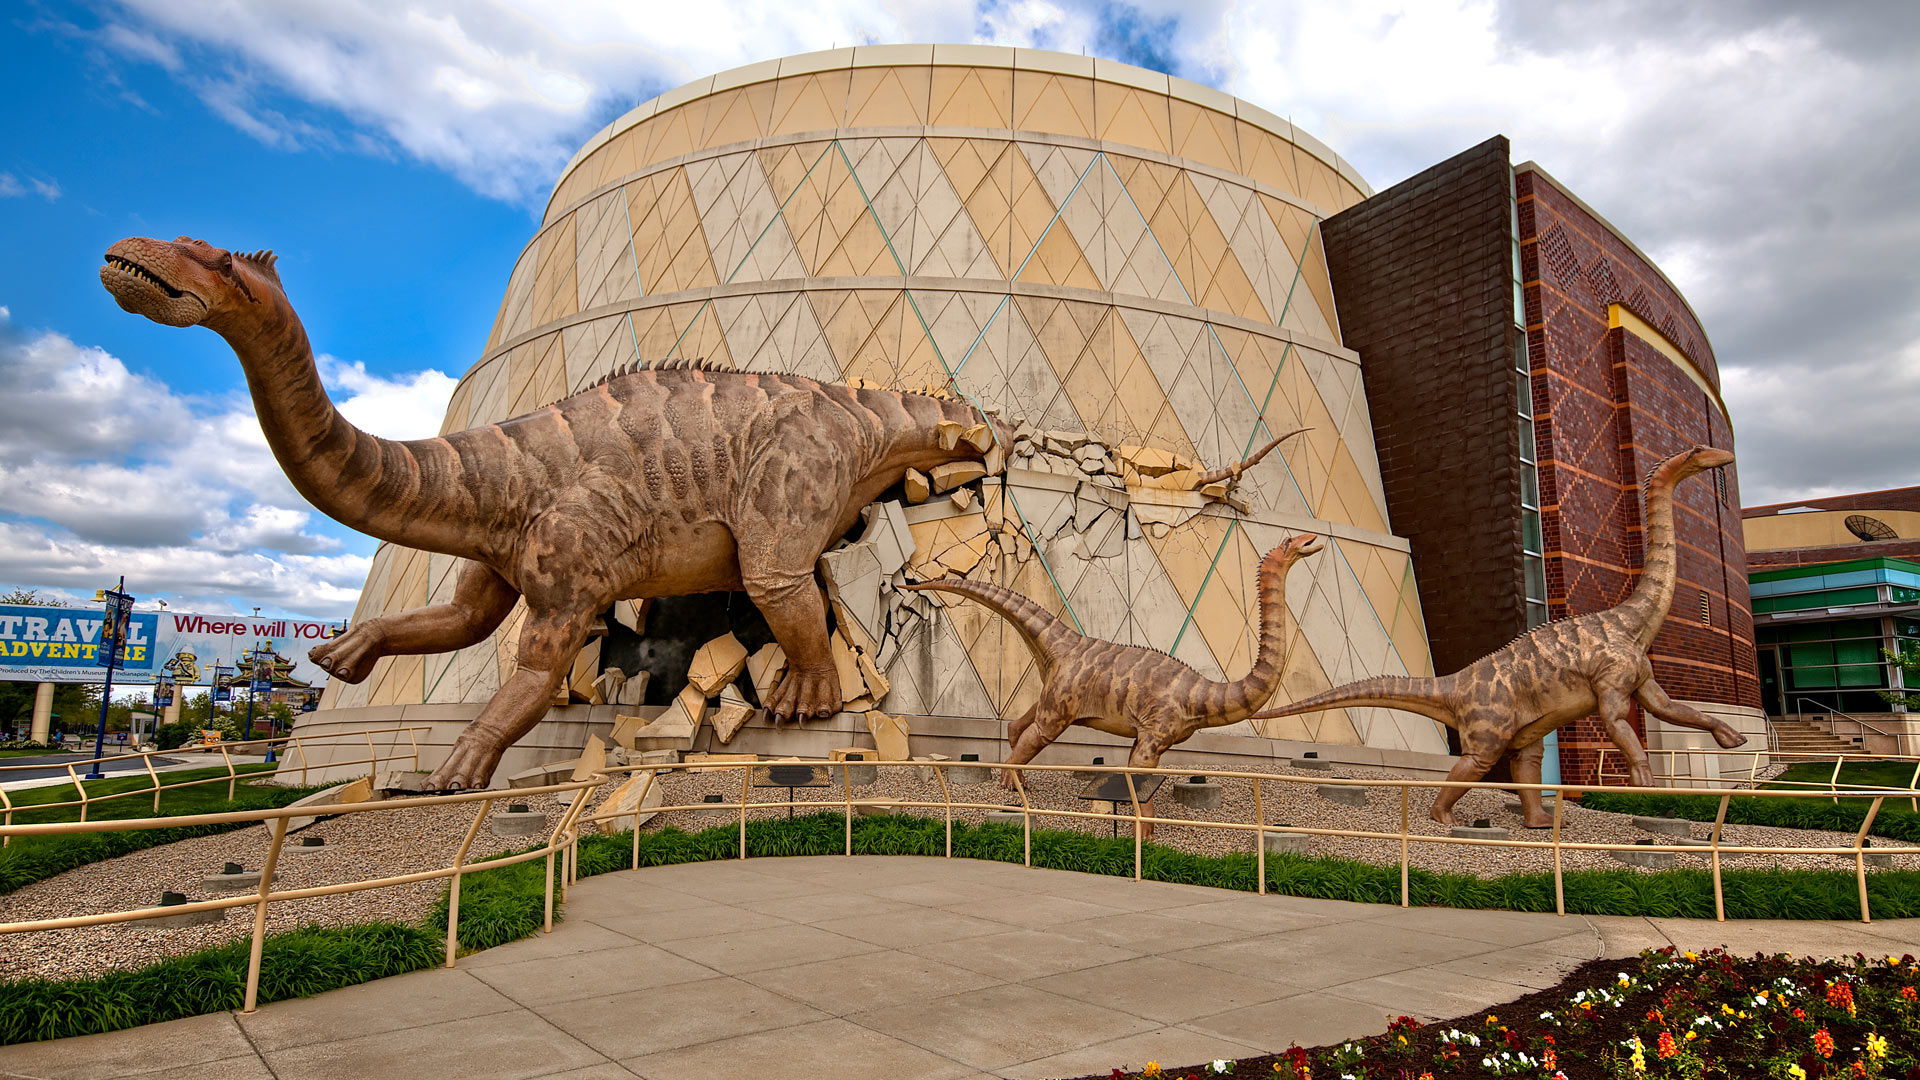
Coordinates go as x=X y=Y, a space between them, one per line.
x=396 y=154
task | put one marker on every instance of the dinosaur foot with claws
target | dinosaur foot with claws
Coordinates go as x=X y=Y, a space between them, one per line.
x=351 y=656
x=804 y=695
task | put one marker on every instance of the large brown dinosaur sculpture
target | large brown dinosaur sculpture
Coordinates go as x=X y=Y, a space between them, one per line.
x=1554 y=674
x=653 y=483
x=1127 y=690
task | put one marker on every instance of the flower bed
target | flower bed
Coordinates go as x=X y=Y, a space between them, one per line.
x=1665 y=1015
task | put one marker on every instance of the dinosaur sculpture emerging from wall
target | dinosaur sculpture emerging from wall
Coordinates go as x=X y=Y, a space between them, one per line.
x=652 y=483
x=1127 y=690
x=1506 y=702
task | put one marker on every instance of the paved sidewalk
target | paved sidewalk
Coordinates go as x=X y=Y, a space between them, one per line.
x=895 y=968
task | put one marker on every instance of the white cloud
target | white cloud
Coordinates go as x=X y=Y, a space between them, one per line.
x=12 y=188
x=179 y=493
x=1745 y=145
x=410 y=407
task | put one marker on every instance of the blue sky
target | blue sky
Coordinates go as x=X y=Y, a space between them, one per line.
x=397 y=157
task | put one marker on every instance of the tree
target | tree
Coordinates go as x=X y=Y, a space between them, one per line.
x=1908 y=661
x=25 y=598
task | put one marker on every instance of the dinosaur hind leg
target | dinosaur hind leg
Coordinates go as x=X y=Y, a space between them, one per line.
x=1480 y=749
x=1036 y=729
x=481 y=601
x=1527 y=763
x=1655 y=700
x=548 y=643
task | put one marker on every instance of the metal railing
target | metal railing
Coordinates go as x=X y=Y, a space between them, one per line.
x=291 y=743
x=1261 y=783
x=592 y=772
x=1832 y=785
x=1859 y=725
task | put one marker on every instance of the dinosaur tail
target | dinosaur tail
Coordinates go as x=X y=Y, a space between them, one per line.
x=1233 y=471
x=1428 y=697
x=1041 y=629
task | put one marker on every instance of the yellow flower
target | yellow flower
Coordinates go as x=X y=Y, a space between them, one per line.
x=1152 y=1069
x=1492 y=1019
x=1876 y=1046
x=1692 y=956
x=1692 y=1035
x=1796 y=1072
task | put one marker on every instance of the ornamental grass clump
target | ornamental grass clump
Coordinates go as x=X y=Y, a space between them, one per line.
x=1667 y=1015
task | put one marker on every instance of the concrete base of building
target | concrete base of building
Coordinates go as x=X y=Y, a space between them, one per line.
x=565 y=730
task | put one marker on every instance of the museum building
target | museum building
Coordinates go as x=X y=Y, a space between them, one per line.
x=1142 y=271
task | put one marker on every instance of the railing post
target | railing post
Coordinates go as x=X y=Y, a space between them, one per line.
x=1912 y=783
x=260 y=914
x=1406 y=795
x=746 y=781
x=1833 y=782
x=1719 y=822
x=453 y=890
x=547 y=926
x=946 y=797
x=414 y=738
x=1860 y=855
x=232 y=777
x=147 y=759
x=846 y=801
x=1026 y=820
x=7 y=840
x=373 y=759
x=81 y=788
x=1133 y=794
x=1559 y=877
x=1260 y=837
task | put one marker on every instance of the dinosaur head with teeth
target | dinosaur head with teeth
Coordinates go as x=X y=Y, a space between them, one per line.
x=187 y=282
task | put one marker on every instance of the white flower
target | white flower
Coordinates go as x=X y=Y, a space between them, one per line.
x=1221 y=1067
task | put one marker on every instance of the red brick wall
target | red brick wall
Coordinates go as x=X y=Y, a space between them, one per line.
x=1610 y=407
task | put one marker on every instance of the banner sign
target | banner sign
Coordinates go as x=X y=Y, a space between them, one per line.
x=222 y=683
x=163 y=692
x=112 y=650
x=53 y=644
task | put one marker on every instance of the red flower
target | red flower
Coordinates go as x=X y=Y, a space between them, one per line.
x=1668 y=1047
x=1907 y=993
x=1823 y=1042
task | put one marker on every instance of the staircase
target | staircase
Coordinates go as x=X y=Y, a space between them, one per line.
x=1802 y=739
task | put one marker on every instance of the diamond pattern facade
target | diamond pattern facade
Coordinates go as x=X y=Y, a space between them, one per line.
x=1093 y=247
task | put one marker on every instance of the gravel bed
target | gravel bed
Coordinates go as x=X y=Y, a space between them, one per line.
x=405 y=841
x=358 y=846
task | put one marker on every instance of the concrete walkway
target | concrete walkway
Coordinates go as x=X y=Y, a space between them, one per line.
x=895 y=968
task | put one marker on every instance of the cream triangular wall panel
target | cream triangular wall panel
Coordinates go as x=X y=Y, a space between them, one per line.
x=705 y=340
x=1147 y=269
x=896 y=197
x=1204 y=135
x=597 y=239
x=812 y=102
x=516 y=311
x=456 y=416
x=960 y=690
x=1033 y=383
x=737 y=215
x=737 y=115
x=1124 y=114
x=1056 y=104
x=1267 y=158
x=490 y=391
x=888 y=97
x=619 y=157
x=554 y=293
x=989 y=198
x=674 y=132
x=971 y=97
x=1315 y=276
x=1099 y=596
x=670 y=246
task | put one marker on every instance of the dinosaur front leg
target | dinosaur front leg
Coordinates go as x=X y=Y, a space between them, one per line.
x=548 y=643
x=1655 y=700
x=1146 y=755
x=1019 y=752
x=1613 y=720
x=481 y=601
x=797 y=614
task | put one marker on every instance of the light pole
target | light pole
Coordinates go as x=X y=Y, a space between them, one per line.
x=110 y=654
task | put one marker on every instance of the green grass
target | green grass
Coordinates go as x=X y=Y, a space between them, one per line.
x=28 y=859
x=1886 y=774
x=40 y=752
x=506 y=903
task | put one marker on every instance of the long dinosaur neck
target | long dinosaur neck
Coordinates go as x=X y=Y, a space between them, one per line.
x=1235 y=701
x=1653 y=594
x=365 y=482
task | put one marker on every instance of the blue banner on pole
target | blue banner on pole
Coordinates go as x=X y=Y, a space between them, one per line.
x=222 y=683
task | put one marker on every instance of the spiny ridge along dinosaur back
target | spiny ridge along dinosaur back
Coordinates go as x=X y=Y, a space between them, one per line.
x=1127 y=690
x=1506 y=702
x=653 y=483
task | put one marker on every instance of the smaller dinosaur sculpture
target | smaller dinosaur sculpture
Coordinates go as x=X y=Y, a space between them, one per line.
x=1128 y=690
x=1552 y=675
